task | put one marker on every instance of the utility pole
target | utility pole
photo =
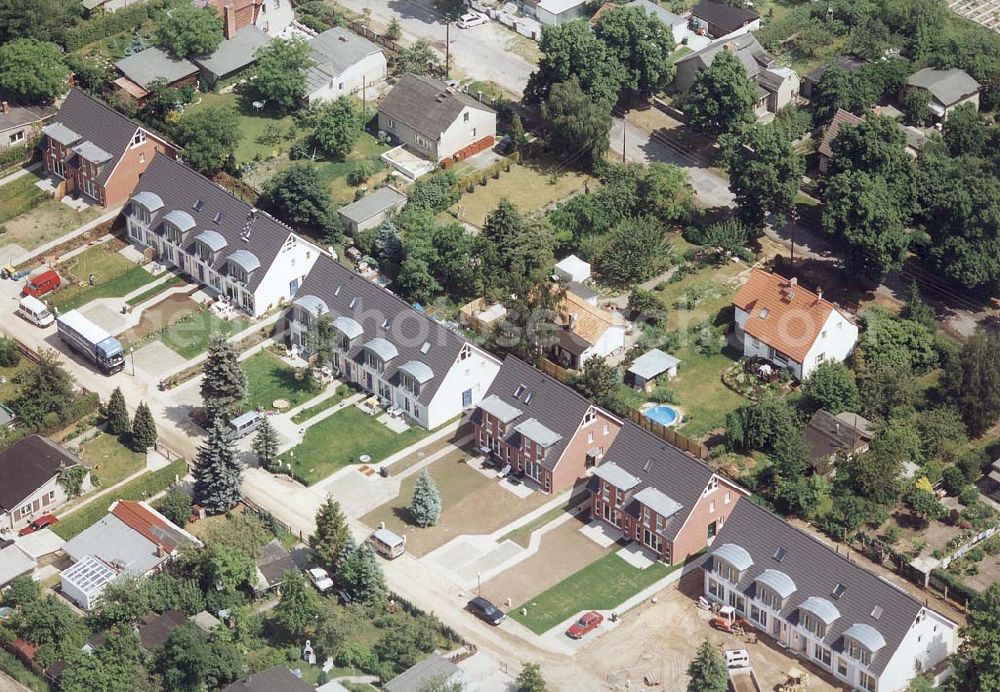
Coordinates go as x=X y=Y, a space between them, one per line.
x=364 y=95
x=447 y=48
x=624 y=133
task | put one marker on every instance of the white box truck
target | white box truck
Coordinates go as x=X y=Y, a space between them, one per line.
x=90 y=340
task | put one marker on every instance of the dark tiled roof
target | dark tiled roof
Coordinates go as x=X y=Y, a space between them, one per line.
x=419 y=676
x=661 y=466
x=27 y=465
x=817 y=570
x=727 y=17
x=826 y=436
x=408 y=330
x=277 y=679
x=746 y=47
x=97 y=123
x=154 y=629
x=840 y=118
x=427 y=105
x=22 y=115
x=555 y=405
x=181 y=188
x=274 y=562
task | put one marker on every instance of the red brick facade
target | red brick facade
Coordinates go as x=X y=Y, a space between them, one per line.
x=595 y=434
x=650 y=529
x=82 y=176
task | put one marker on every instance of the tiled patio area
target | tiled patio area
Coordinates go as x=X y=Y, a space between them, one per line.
x=637 y=556
x=601 y=533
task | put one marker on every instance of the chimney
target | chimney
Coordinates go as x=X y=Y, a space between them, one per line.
x=228 y=21
x=837 y=427
x=342 y=38
x=793 y=281
x=819 y=293
x=5 y=107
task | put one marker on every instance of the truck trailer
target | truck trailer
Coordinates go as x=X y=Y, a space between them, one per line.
x=88 y=339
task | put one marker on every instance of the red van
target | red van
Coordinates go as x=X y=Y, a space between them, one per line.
x=40 y=284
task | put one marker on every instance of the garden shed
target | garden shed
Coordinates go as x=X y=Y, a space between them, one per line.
x=650 y=366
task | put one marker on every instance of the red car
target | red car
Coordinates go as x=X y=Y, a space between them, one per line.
x=587 y=623
x=42 y=522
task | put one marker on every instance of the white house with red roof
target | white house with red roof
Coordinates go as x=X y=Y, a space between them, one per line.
x=782 y=322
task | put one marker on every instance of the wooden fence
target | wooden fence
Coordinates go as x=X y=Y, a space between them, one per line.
x=554 y=370
x=389 y=44
x=668 y=434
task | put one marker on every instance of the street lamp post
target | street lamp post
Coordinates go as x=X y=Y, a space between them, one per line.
x=131 y=352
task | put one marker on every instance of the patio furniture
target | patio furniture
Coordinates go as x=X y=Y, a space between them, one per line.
x=504 y=472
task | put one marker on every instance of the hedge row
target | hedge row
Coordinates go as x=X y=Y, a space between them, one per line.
x=957 y=589
x=141 y=488
x=17 y=670
x=104 y=25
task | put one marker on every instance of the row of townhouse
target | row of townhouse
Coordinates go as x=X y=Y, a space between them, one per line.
x=379 y=342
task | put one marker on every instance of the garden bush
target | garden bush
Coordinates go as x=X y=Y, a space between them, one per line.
x=361 y=172
x=10 y=354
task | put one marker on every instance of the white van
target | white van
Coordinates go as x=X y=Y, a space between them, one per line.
x=34 y=310
x=243 y=425
x=388 y=544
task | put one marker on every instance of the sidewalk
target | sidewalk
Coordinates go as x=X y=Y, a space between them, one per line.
x=20 y=173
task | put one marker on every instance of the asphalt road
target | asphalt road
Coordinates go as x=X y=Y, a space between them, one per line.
x=484 y=52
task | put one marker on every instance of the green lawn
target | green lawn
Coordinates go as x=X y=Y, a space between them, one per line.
x=9 y=389
x=114 y=275
x=261 y=134
x=268 y=378
x=340 y=439
x=522 y=534
x=19 y=196
x=343 y=391
x=109 y=460
x=602 y=585
x=190 y=336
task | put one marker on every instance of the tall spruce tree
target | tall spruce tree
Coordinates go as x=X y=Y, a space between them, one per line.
x=347 y=549
x=361 y=575
x=117 y=413
x=425 y=507
x=218 y=474
x=224 y=385
x=332 y=535
x=143 y=429
x=708 y=670
x=265 y=444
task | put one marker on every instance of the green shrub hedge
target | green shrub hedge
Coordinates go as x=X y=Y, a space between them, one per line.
x=140 y=489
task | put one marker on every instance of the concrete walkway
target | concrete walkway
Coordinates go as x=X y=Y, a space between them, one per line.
x=154 y=462
x=20 y=173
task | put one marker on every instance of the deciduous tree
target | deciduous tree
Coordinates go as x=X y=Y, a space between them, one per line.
x=301 y=197
x=977 y=663
x=971 y=381
x=636 y=250
x=46 y=393
x=964 y=132
x=296 y=611
x=279 y=74
x=642 y=44
x=176 y=506
x=831 y=386
x=722 y=97
x=209 y=137
x=190 y=31
x=338 y=128
x=189 y=660
x=579 y=124
x=765 y=172
x=425 y=507
x=571 y=50
x=530 y=679
x=32 y=71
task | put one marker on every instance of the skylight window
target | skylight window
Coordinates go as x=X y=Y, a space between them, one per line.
x=528 y=396
x=877 y=612
x=198 y=204
x=519 y=391
x=354 y=301
x=385 y=323
x=764 y=312
x=336 y=291
x=779 y=554
x=839 y=590
x=218 y=217
x=425 y=347
x=648 y=465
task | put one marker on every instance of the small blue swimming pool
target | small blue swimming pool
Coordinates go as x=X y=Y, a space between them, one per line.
x=663 y=414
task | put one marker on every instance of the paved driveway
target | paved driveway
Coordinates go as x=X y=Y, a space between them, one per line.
x=484 y=52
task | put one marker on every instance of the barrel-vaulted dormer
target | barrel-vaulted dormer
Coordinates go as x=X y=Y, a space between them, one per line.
x=772 y=588
x=862 y=642
x=413 y=374
x=729 y=561
x=208 y=244
x=816 y=614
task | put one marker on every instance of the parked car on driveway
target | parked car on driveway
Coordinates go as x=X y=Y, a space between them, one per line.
x=42 y=522
x=588 y=622
x=320 y=579
x=42 y=283
x=486 y=611
x=467 y=21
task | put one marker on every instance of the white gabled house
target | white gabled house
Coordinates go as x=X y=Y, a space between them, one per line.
x=232 y=248
x=383 y=345
x=815 y=603
x=343 y=64
x=790 y=326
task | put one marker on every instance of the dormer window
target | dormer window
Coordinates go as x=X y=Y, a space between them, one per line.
x=590 y=416
x=727 y=571
x=138 y=138
x=862 y=642
x=141 y=213
x=730 y=561
x=773 y=588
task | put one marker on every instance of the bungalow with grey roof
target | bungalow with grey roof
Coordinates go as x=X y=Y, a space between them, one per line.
x=343 y=64
x=370 y=210
x=21 y=125
x=948 y=89
x=141 y=70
